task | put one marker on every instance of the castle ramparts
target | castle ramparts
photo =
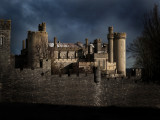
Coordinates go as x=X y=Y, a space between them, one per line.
x=5 y=24
x=66 y=73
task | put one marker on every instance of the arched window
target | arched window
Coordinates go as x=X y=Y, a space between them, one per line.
x=41 y=63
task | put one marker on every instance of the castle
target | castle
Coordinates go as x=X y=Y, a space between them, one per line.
x=57 y=57
x=5 y=36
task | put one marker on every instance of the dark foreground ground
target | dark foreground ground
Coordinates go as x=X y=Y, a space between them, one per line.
x=54 y=112
x=24 y=95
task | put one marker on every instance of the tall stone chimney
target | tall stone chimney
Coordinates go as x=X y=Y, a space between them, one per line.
x=86 y=42
x=55 y=42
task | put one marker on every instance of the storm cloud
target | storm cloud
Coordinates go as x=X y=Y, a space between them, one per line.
x=74 y=20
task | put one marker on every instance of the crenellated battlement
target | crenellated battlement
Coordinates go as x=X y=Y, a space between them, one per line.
x=97 y=40
x=120 y=35
x=37 y=49
x=42 y=27
x=110 y=29
x=5 y=24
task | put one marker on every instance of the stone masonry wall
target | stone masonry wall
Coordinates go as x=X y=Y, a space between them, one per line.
x=5 y=31
x=31 y=86
x=5 y=50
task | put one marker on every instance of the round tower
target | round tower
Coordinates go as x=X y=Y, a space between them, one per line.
x=121 y=53
x=115 y=47
x=37 y=45
x=110 y=43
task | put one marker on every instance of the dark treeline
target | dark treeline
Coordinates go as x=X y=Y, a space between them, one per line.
x=145 y=48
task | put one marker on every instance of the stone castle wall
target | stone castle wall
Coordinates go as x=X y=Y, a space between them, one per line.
x=36 y=86
x=43 y=88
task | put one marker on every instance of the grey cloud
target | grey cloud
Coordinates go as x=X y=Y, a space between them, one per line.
x=74 y=20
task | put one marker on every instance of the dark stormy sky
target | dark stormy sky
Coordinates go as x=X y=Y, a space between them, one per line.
x=75 y=20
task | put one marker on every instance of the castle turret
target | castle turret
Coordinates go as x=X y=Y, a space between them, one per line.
x=115 y=47
x=5 y=24
x=42 y=27
x=121 y=53
x=39 y=27
x=98 y=45
x=37 y=43
x=110 y=43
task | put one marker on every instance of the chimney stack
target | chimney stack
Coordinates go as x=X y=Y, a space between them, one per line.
x=86 y=42
x=55 y=42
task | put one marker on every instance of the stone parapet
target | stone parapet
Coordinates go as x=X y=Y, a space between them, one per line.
x=5 y=24
x=120 y=35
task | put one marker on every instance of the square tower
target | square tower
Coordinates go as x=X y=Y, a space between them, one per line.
x=5 y=35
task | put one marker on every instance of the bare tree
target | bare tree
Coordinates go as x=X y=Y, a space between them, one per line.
x=146 y=47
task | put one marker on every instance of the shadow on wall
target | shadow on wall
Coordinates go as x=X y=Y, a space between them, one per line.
x=43 y=111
